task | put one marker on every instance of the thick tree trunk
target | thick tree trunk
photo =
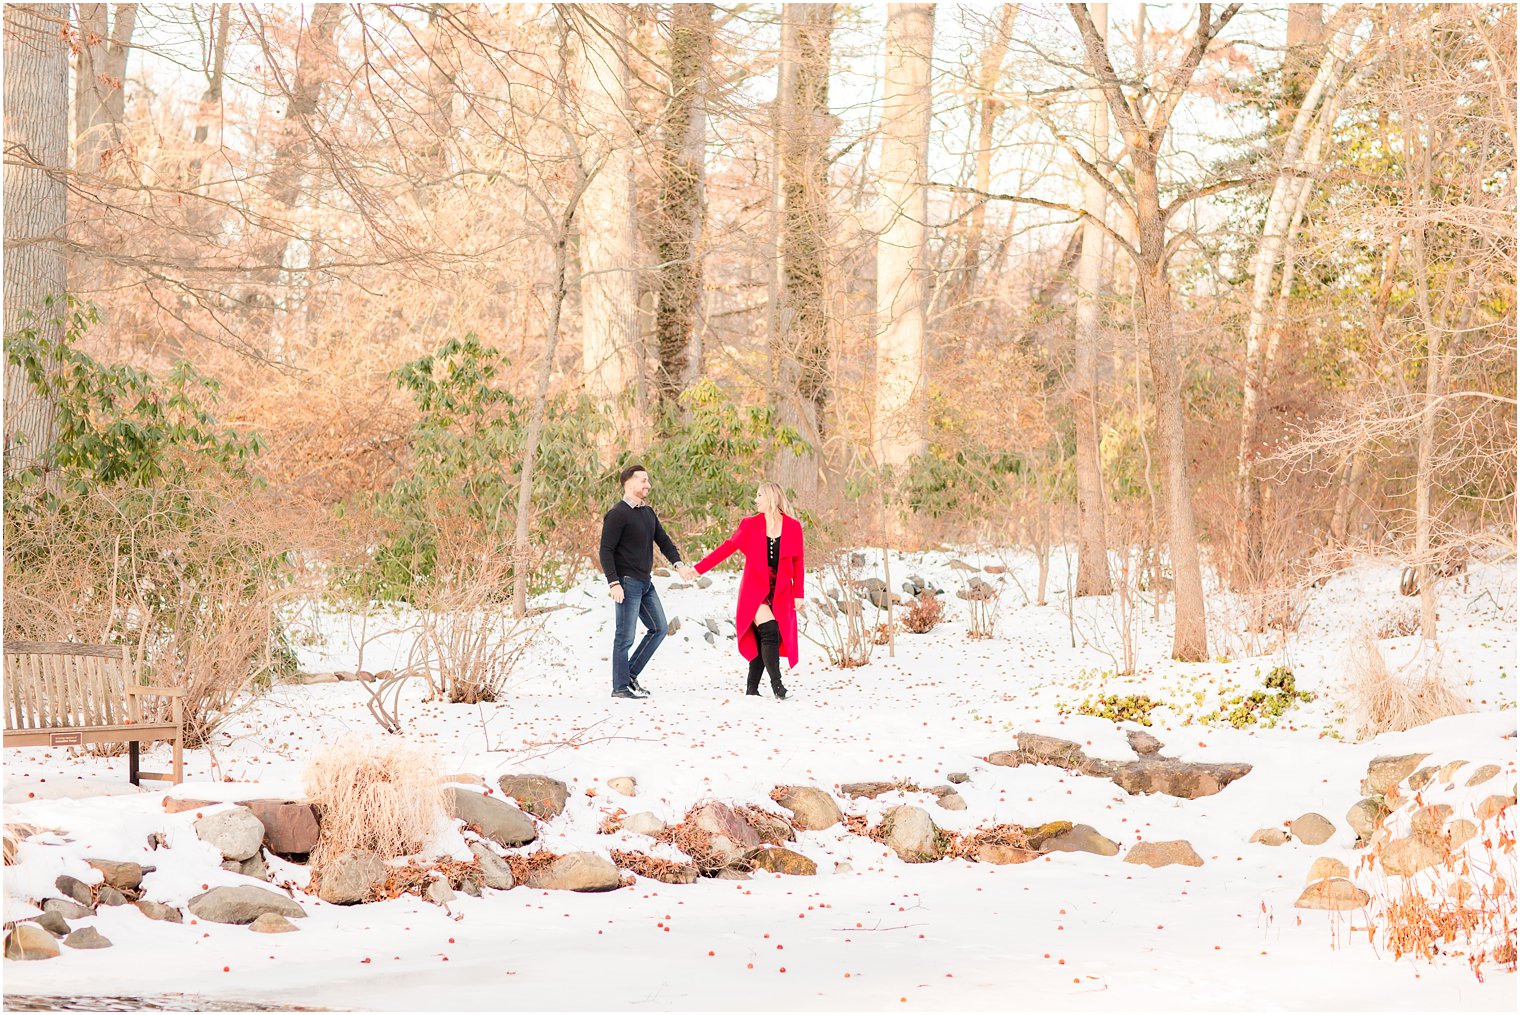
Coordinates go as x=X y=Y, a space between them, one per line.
x=36 y=208
x=1190 y=635
x=105 y=39
x=801 y=346
x=209 y=112
x=609 y=235
x=683 y=206
x=902 y=279
x=1092 y=539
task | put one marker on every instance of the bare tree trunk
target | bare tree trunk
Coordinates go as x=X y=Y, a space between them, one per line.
x=801 y=342
x=300 y=125
x=99 y=83
x=1144 y=127
x=36 y=85
x=1300 y=151
x=443 y=70
x=990 y=107
x=211 y=98
x=1092 y=540
x=683 y=205
x=902 y=283
x=610 y=337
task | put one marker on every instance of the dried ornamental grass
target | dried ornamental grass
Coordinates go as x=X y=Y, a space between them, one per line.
x=923 y=613
x=1382 y=701
x=382 y=796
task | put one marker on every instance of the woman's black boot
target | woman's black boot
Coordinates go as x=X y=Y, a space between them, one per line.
x=770 y=653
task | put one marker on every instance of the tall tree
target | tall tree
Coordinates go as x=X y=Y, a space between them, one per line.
x=1092 y=539
x=683 y=206
x=610 y=339
x=1300 y=144
x=1144 y=120
x=800 y=332
x=105 y=40
x=902 y=278
x=36 y=208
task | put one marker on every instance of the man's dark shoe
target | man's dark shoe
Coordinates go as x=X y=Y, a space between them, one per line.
x=779 y=692
x=630 y=694
x=637 y=687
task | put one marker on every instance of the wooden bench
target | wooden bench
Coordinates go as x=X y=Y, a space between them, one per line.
x=59 y=694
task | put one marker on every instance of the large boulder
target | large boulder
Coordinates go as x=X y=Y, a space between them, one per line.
x=75 y=889
x=158 y=911
x=121 y=875
x=496 y=819
x=272 y=923
x=1164 y=854
x=812 y=809
x=1187 y=780
x=1336 y=894
x=770 y=827
x=1365 y=815
x=643 y=823
x=1326 y=867
x=86 y=938
x=1410 y=855
x=1080 y=839
x=1388 y=770
x=577 y=872
x=998 y=853
x=1038 y=749
x=1311 y=828
x=235 y=831
x=27 y=941
x=729 y=837
x=783 y=861
x=1483 y=774
x=242 y=904
x=539 y=795
x=868 y=790
x=350 y=877
x=1150 y=773
x=494 y=871
x=910 y=833
x=291 y=827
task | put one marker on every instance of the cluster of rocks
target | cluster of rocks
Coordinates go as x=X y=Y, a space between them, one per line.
x=1403 y=825
x=1310 y=828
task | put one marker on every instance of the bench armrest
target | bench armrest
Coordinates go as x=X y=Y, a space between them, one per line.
x=166 y=692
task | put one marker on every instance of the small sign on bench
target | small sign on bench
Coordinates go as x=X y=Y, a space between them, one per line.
x=65 y=740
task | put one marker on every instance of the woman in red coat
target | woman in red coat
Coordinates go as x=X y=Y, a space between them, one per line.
x=766 y=620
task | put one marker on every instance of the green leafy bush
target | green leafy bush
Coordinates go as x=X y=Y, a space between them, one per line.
x=1116 y=707
x=706 y=467
x=458 y=488
x=1264 y=706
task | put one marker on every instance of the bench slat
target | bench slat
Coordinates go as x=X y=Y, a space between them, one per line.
x=61 y=648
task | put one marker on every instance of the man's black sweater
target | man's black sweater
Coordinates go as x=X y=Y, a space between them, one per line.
x=628 y=538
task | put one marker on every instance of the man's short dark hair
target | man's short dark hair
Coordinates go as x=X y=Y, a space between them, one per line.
x=627 y=474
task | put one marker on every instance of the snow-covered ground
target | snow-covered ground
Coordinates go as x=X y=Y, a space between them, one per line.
x=1068 y=931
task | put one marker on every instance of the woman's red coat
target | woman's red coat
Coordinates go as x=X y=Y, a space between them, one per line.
x=749 y=539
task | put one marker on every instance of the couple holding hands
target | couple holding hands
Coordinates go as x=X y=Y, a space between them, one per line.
x=766 y=617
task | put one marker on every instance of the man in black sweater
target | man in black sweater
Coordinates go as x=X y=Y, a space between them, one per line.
x=629 y=533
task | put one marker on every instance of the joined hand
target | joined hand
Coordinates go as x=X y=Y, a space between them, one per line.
x=688 y=572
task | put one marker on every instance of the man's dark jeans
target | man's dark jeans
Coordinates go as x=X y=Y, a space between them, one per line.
x=640 y=603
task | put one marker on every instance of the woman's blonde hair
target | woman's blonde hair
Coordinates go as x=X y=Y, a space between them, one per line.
x=777 y=497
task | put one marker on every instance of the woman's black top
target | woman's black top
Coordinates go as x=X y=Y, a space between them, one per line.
x=773 y=558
